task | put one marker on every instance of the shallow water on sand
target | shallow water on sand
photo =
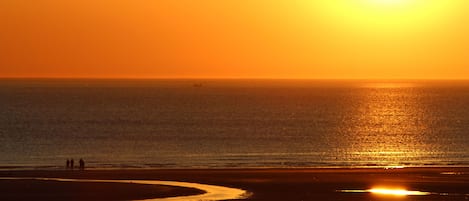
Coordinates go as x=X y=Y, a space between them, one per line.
x=212 y=192
x=233 y=123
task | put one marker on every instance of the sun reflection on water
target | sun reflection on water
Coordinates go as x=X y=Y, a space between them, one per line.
x=387 y=126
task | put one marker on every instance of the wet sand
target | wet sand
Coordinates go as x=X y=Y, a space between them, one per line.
x=55 y=191
x=265 y=184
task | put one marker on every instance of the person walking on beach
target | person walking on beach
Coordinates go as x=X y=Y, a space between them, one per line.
x=82 y=164
x=68 y=164
x=71 y=164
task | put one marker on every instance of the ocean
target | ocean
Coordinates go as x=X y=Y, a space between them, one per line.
x=233 y=123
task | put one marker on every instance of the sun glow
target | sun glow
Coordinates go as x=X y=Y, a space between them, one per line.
x=405 y=15
x=390 y=2
x=306 y=39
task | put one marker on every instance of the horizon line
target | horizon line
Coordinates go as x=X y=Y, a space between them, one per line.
x=223 y=78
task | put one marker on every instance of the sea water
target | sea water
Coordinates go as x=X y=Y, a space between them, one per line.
x=233 y=123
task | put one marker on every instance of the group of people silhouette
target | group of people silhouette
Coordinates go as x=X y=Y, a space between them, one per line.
x=70 y=164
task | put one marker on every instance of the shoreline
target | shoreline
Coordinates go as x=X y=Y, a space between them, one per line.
x=5 y=168
x=292 y=184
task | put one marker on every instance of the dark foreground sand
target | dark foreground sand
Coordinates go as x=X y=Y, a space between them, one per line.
x=265 y=184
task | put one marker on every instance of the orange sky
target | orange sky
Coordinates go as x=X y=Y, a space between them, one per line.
x=235 y=38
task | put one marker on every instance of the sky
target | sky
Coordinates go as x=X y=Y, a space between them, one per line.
x=293 y=39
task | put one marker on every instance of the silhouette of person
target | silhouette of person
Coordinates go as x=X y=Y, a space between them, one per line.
x=71 y=164
x=68 y=164
x=82 y=164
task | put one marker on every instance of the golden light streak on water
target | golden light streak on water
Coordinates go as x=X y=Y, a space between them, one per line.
x=387 y=128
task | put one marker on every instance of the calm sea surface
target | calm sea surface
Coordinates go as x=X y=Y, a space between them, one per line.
x=237 y=123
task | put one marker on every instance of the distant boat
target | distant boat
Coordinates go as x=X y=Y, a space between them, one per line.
x=198 y=85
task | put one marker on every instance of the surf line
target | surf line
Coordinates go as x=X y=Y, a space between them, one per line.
x=212 y=192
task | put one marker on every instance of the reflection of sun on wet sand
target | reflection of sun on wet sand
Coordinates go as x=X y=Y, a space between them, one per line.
x=387 y=191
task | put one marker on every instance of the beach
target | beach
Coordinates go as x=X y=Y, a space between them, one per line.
x=262 y=184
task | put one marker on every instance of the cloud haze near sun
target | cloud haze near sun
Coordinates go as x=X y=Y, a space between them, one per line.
x=235 y=39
